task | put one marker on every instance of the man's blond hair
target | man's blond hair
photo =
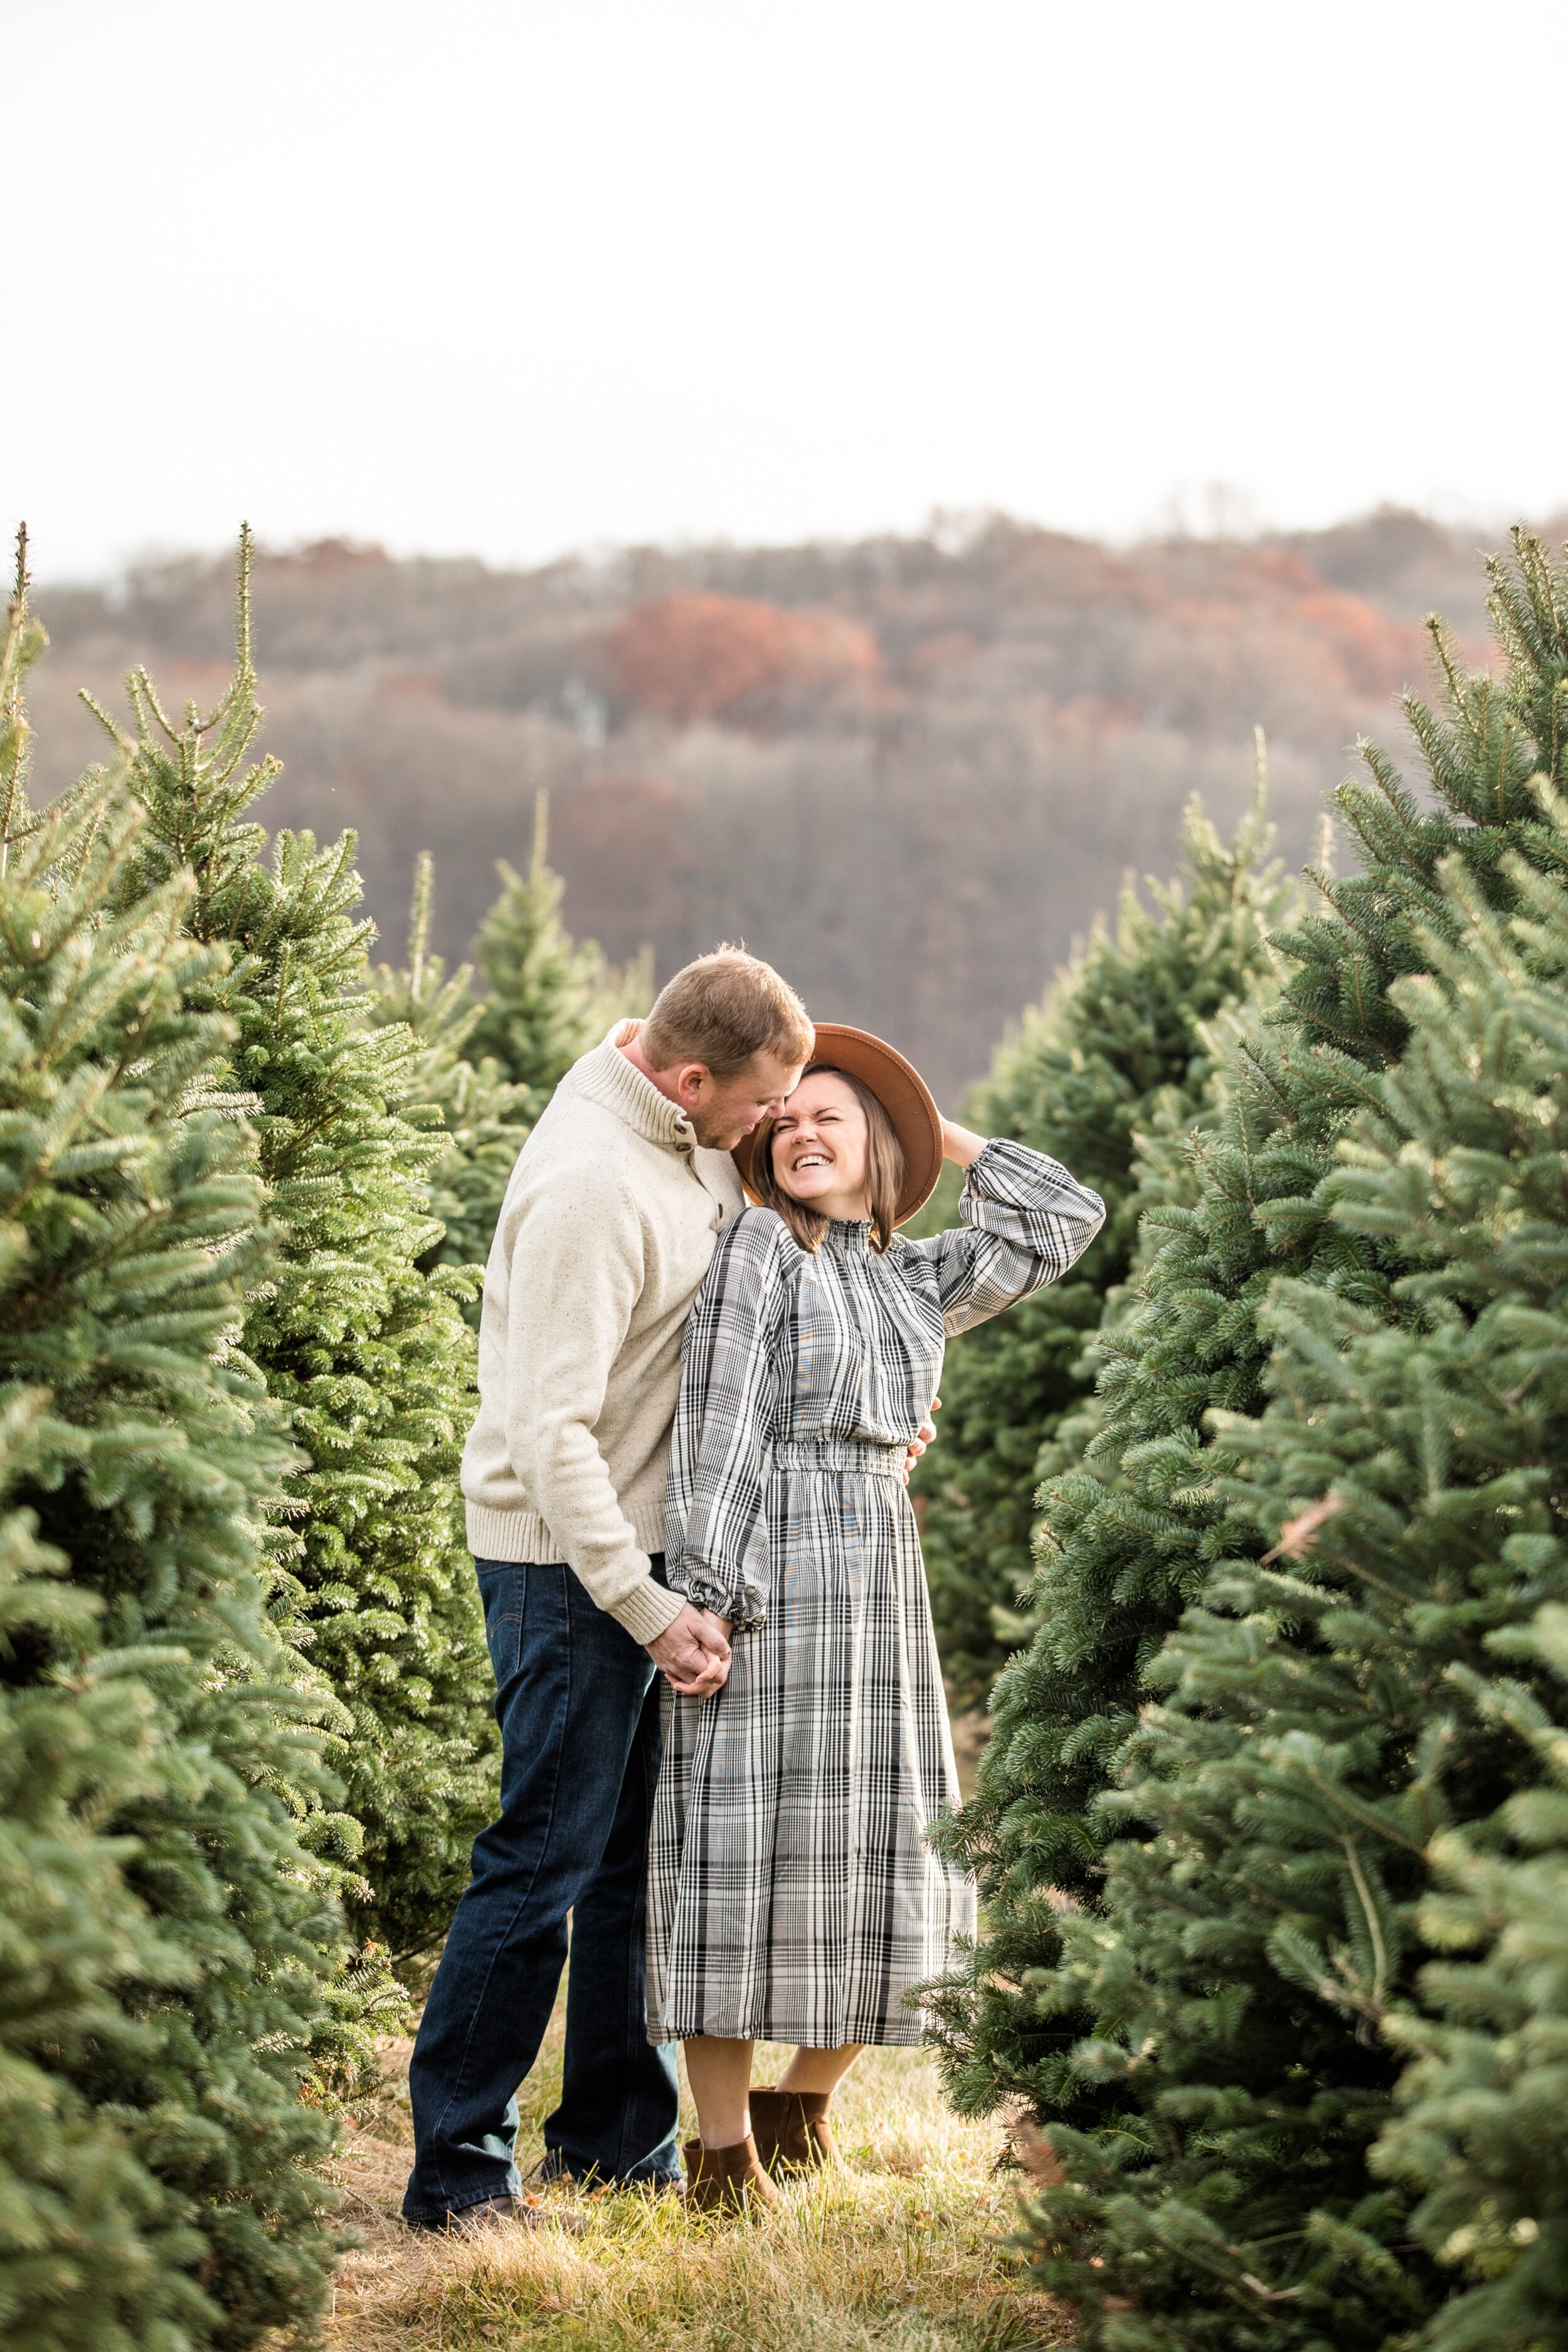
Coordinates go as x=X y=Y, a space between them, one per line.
x=721 y=1011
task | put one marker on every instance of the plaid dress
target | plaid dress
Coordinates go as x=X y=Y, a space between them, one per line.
x=793 y=1894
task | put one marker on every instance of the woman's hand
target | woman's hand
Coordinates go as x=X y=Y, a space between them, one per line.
x=959 y=1145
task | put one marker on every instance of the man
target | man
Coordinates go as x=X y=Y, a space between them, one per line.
x=609 y=1224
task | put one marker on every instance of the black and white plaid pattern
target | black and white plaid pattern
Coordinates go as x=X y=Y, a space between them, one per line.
x=792 y=1893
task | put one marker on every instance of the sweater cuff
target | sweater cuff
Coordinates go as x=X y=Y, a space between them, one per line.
x=648 y=1610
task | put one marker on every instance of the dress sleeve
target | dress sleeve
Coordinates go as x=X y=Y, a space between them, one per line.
x=715 y=1531
x=1025 y=1221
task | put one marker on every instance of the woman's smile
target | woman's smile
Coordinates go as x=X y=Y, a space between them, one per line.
x=829 y=1177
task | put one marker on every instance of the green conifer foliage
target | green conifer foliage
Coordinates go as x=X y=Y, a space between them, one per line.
x=548 y=999
x=1483 y=2132
x=1117 y=1047
x=166 y=1942
x=357 y=1336
x=1340 y=1416
x=484 y=1120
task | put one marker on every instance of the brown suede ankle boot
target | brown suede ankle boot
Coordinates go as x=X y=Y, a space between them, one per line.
x=791 y=2130
x=727 y=2178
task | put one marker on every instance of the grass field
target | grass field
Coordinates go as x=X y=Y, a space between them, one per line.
x=901 y=2248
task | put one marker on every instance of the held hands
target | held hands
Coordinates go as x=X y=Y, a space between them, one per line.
x=692 y=1653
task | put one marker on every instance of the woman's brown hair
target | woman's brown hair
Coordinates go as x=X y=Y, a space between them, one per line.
x=884 y=1169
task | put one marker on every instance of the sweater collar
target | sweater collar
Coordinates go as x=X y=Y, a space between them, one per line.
x=607 y=1078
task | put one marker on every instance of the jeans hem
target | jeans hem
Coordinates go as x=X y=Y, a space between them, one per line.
x=439 y=2214
x=600 y=2179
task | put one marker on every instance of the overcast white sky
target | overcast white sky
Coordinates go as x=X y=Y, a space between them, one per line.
x=511 y=276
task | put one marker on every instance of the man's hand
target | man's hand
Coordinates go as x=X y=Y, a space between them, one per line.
x=917 y=1445
x=692 y=1653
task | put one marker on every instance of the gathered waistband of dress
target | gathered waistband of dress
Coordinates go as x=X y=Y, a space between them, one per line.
x=839 y=1454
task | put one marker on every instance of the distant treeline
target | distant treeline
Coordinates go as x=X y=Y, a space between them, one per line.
x=907 y=770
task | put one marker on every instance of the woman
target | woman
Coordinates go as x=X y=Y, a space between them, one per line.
x=793 y=1894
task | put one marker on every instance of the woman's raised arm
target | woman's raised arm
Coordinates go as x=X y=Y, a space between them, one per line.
x=1025 y=1221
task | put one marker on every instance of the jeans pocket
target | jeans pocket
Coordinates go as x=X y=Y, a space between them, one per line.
x=504 y=1591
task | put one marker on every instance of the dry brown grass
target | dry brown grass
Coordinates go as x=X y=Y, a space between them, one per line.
x=900 y=2248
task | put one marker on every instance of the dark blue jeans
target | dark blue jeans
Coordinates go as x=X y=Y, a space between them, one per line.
x=578 y=1703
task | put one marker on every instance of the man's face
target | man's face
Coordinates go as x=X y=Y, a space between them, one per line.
x=722 y=1110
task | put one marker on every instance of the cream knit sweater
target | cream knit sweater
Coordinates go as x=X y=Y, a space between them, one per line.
x=610 y=1221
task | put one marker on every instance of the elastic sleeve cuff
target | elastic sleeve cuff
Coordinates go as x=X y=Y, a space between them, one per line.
x=648 y=1610
x=742 y=1611
x=988 y=1155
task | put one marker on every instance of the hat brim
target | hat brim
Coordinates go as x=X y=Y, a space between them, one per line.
x=902 y=1094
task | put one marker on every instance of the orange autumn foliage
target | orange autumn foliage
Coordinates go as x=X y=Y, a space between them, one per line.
x=693 y=654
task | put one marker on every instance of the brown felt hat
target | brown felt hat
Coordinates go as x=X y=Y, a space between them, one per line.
x=903 y=1095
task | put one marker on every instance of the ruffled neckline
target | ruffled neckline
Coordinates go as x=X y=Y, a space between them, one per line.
x=848 y=1236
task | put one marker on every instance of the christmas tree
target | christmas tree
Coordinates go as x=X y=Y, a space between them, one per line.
x=167 y=1943
x=1337 y=1421
x=548 y=999
x=483 y=1067
x=1484 y=2128
x=482 y=1117
x=1118 y=1047
x=357 y=1336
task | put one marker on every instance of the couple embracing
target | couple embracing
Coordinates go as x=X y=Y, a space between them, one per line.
x=723 y=1735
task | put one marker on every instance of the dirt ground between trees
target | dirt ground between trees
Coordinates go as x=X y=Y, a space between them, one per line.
x=901 y=2248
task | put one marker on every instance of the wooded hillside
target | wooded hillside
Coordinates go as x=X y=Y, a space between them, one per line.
x=908 y=770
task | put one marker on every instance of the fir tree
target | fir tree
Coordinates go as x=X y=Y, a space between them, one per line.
x=548 y=999
x=1483 y=2132
x=167 y=1943
x=1118 y=1046
x=485 y=1066
x=363 y=1344
x=484 y=1119
x=1338 y=1415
